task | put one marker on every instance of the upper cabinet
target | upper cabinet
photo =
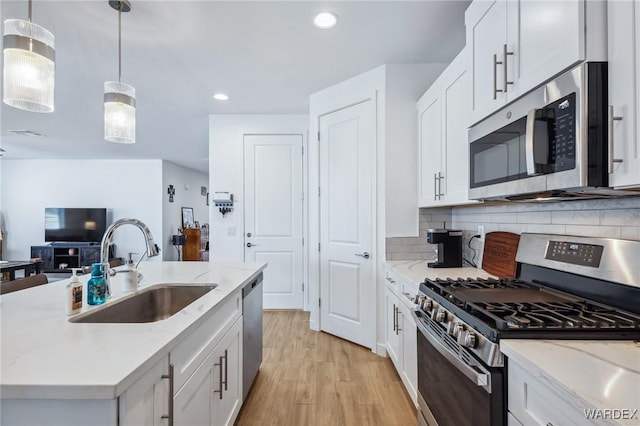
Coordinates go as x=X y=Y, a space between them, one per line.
x=516 y=45
x=443 y=118
x=624 y=93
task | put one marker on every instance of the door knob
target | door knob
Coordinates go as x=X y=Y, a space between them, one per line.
x=365 y=254
x=251 y=245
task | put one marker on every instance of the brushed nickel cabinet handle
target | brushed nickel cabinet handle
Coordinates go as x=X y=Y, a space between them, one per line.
x=506 y=53
x=226 y=373
x=219 y=365
x=612 y=160
x=495 y=77
x=170 y=376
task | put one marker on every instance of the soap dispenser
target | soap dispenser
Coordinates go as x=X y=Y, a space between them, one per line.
x=130 y=282
x=97 y=286
x=74 y=294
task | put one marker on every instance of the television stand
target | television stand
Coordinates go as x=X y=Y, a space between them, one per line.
x=61 y=257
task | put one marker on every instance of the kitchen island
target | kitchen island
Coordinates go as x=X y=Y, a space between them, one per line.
x=46 y=360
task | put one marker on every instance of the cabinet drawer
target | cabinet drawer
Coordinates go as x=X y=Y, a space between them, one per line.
x=532 y=402
x=190 y=353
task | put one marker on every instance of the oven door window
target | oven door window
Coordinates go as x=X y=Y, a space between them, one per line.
x=452 y=398
x=499 y=156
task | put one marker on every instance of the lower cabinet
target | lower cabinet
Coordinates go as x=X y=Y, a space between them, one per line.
x=401 y=338
x=213 y=394
x=146 y=402
x=532 y=402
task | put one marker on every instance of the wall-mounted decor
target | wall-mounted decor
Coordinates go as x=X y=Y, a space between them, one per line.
x=171 y=191
x=187 y=217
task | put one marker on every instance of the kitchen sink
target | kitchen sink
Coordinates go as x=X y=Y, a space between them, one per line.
x=152 y=304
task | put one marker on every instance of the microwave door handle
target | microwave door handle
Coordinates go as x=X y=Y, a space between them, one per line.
x=529 y=145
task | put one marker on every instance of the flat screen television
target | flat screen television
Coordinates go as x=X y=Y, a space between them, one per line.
x=74 y=225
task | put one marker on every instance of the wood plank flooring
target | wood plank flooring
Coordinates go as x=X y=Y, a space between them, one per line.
x=314 y=378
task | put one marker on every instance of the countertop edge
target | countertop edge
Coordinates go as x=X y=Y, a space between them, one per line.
x=114 y=390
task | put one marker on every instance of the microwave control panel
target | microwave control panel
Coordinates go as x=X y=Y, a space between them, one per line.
x=562 y=129
x=575 y=253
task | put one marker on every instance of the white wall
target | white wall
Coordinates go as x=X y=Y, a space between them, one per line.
x=404 y=84
x=181 y=178
x=226 y=168
x=127 y=188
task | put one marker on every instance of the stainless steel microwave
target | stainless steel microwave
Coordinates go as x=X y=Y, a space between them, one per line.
x=550 y=144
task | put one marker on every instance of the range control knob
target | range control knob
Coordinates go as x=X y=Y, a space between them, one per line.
x=427 y=304
x=467 y=339
x=458 y=328
x=441 y=316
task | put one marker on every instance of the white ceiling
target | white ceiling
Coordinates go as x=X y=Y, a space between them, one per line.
x=266 y=56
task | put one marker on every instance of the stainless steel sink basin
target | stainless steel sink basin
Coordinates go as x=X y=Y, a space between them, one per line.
x=151 y=304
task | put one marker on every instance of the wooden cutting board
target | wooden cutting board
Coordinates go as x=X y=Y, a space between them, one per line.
x=499 y=256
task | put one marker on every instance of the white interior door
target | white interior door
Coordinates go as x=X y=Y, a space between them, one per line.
x=273 y=215
x=347 y=288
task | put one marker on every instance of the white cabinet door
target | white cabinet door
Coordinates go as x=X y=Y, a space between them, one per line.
x=229 y=352
x=194 y=402
x=547 y=37
x=430 y=145
x=486 y=23
x=624 y=90
x=147 y=400
x=409 y=352
x=456 y=108
x=391 y=322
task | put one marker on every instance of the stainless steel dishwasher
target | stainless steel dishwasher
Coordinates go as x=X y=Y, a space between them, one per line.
x=252 y=333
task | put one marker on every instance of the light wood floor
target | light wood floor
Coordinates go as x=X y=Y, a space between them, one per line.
x=312 y=378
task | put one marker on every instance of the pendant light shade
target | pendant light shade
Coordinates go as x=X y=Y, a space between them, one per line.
x=29 y=66
x=119 y=112
x=119 y=98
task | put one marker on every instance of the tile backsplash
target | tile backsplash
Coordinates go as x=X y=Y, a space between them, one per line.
x=613 y=218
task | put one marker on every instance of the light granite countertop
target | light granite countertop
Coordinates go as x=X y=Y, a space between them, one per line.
x=601 y=375
x=44 y=356
x=417 y=271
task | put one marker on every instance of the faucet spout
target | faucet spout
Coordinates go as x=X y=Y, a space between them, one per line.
x=152 y=247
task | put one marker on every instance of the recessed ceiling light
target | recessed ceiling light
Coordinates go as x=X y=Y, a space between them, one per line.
x=325 y=20
x=220 y=97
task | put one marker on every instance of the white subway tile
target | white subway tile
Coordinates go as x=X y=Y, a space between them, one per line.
x=539 y=228
x=576 y=217
x=534 y=217
x=621 y=217
x=630 y=233
x=593 y=231
x=504 y=218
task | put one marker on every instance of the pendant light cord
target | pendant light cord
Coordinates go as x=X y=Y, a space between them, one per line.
x=119 y=42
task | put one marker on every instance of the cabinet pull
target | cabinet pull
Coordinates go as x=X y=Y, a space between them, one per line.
x=495 y=77
x=170 y=377
x=219 y=365
x=612 y=160
x=226 y=373
x=506 y=53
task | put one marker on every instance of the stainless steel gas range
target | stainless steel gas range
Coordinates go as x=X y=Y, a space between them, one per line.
x=566 y=288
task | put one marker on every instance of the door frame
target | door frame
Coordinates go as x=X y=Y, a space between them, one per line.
x=322 y=104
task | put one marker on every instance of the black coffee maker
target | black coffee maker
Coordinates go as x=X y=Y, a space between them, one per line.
x=448 y=248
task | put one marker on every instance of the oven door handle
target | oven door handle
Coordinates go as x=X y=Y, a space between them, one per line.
x=480 y=379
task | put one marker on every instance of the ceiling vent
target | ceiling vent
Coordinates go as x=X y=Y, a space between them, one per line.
x=29 y=133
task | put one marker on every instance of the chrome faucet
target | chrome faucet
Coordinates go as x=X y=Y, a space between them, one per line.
x=152 y=247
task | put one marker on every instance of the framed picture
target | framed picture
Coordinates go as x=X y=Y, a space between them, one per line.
x=187 y=217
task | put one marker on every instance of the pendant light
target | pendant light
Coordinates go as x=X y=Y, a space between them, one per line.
x=29 y=65
x=119 y=97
